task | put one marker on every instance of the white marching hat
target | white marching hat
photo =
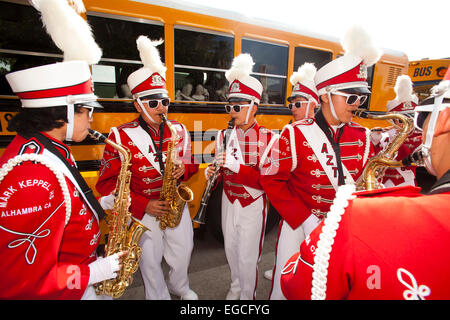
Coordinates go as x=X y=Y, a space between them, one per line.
x=350 y=70
x=303 y=82
x=150 y=79
x=64 y=83
x=405 y=100
x=242 y=85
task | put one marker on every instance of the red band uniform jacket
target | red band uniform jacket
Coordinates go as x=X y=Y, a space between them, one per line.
x=293 y=178
x=45 y=252
x=146 y=179
x=391 y=244
x=249 y=148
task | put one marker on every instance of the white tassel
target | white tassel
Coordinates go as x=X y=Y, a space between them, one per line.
x=241 y=67
x=305 y=72
x=359 y=43
x=69 y=31
x=404 y=89
x=150 y=55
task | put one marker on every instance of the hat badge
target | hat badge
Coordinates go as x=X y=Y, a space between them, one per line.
x=157 y=81
x=362 y=71
x=297 y=87
x=235 y=87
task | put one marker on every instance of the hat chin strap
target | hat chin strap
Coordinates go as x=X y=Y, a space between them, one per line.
x=145 y=110
x=70 y=122
x=252 y=104
x=333 y=112
x=307 y=110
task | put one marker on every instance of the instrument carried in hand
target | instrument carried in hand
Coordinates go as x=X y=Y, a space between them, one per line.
x=176 y=195
x=376 y=165
x=201 y=213
x=125 y=231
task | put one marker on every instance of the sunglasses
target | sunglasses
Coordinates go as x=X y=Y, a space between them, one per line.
x=236 y=107
x=352 y=98
x=154 y=103
x=297 y=104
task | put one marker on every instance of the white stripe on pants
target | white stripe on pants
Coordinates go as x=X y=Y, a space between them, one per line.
x=175 y=245
x=288 y=243
x=243 y=232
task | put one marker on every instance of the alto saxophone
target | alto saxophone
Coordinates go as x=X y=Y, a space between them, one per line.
x=375 y=167
x=124 y=230
x=176 y=195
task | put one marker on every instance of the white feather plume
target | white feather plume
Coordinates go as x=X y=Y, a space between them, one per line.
x=441 y=88
x=305 y=72
x=404 y=89
x=150 y=55
x=241 y=67
x=77 y=5
x=69 y=31
x=359 y=43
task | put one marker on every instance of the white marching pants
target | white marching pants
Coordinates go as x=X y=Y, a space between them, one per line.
x=288 y=243
x=175 y=245
x=243 y=233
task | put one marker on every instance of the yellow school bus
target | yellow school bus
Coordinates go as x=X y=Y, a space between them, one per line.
x=427 y=73
x=199 y=46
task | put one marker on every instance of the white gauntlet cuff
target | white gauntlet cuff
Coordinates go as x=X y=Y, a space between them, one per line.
x=104 y=268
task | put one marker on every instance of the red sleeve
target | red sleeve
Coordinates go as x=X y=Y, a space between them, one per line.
x=32 y=227
x=274 y=179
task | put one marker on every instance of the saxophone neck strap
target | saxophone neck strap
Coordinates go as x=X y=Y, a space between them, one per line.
x=144 y=126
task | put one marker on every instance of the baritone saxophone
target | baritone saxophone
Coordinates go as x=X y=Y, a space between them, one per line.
x=125 y=231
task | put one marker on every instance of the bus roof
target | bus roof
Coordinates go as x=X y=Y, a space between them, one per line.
x=237 y=16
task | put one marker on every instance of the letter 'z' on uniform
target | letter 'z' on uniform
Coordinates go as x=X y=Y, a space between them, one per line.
x=153 y=142
x=314 y=156
x=49 y=222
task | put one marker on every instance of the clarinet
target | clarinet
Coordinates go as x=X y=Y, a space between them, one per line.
x=201 y=214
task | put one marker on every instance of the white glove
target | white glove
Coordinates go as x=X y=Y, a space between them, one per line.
x=107 y=202
x=232 y=163
x=375 y=137
x=104 y=268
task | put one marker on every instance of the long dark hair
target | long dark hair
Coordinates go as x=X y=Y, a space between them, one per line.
x=30 y=120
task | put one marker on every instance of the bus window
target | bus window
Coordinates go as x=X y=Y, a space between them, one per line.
x=318 y=57
x=32 y=48
x=270 y=68
x=117 y=35
x=201 y=59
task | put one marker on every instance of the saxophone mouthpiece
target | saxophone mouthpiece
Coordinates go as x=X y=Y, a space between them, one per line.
x=360 y=113
x=97 y=135
x=415 y=158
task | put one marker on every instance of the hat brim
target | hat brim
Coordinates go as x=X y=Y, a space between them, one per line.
x=155 y=96
x=94 y=104
x=356 y=90
x=237 y=99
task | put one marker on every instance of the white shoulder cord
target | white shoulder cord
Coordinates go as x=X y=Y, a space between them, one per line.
x=367 y=149
x=322 y=253
x=7 y=167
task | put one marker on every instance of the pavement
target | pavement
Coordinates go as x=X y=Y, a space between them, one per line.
x=209 y=274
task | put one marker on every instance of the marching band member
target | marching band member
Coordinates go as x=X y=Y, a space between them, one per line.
x=147 y=138
x=302 y=103
x=387 y=244
x=314 y=156
x=405 y=102
x=244 y=205
x=304 y=98
x=49 y=223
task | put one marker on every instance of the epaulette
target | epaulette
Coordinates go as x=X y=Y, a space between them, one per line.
x=303 y=122
x=132 y=124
